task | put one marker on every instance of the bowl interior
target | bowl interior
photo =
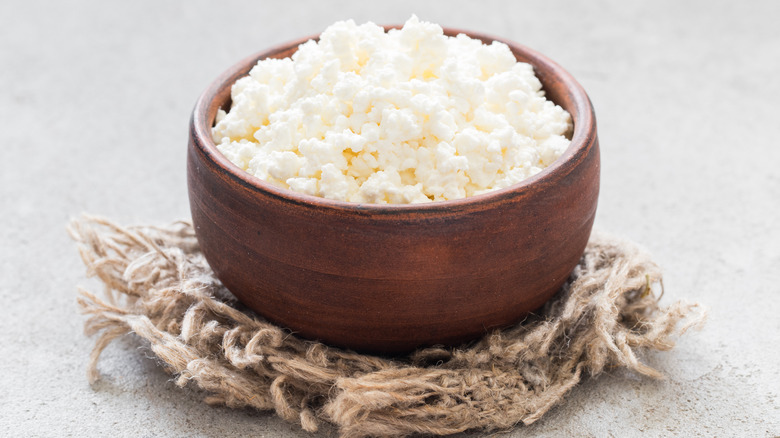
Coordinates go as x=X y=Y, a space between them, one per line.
x=559 y=86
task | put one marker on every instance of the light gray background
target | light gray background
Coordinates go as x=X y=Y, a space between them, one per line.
x=94 y=108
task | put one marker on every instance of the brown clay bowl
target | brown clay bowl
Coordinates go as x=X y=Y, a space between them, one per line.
x=390 y=278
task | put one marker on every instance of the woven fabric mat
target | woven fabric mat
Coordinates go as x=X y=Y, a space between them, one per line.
x=159 y=286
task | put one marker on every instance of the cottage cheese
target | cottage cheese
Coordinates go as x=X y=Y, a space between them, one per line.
x=405 y=116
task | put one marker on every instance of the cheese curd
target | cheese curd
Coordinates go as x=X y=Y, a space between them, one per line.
x=403 y=116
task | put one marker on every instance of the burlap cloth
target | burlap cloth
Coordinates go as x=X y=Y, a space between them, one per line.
x=159 y=286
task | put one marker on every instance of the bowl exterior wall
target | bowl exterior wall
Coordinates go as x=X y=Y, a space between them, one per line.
x=392 y=282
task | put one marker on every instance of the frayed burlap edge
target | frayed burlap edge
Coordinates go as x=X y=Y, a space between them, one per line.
x=159 y=286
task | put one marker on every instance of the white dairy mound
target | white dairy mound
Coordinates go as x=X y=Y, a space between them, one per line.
x=406 y=116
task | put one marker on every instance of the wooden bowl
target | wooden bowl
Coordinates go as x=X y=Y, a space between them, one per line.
x=390 y=278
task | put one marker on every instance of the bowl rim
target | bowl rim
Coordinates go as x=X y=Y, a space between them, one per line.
x=582 y=139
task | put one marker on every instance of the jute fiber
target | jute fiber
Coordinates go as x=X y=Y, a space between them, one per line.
x=159 y=286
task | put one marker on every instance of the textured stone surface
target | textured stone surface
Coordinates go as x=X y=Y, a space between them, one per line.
x=95 y=105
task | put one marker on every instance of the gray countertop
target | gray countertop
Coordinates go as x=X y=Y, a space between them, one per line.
x=95 y=104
